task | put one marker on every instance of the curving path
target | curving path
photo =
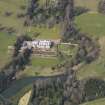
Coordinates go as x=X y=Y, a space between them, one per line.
x=25 y=99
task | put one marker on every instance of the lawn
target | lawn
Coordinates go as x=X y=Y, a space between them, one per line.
x=92 y=24
x=68 y=49
x=5 y=41
x=44 y=32
x=44 y=62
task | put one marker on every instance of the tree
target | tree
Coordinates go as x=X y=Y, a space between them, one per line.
x=19 y=43
x=101 y=6
x=69 y=30
x=32 y=8
x=94 y=88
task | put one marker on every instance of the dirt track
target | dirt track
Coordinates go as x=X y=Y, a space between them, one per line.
x=25 y=99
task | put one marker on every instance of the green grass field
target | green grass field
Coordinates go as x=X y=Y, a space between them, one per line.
x=96 y=102
x=92 y=24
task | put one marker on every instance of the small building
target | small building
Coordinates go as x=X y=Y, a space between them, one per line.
x=40 y=44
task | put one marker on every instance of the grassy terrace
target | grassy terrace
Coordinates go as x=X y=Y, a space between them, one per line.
x=44 y=62
x=44 y=32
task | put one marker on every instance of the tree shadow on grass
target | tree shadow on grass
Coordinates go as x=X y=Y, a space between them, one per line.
x=20 y=84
